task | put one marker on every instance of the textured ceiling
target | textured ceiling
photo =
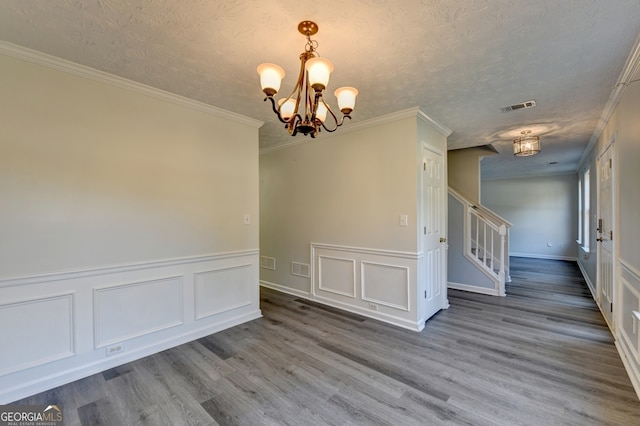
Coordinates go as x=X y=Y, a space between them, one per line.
x=460 y=61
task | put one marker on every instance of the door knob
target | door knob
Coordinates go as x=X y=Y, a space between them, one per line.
x=443 y=240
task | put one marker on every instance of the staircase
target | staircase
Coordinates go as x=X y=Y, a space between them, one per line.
x=484 y=244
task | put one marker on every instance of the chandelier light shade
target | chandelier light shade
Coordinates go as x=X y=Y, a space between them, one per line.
x=271 y=76
x=305 y=110
x=526 y=145
x=346 y=98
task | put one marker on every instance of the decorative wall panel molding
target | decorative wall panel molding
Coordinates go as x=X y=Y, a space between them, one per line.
x=337 y=275
x=629 y=325
x=46 y=332
x=381 y=284
x=123 y=312
x=386 y=285
x=221 y=290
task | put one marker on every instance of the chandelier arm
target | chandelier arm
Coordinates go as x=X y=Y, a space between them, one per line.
x=337 y=125
x=292 y=125
x=276 y=110
x=298 y=87
x=335 y=119
x=297 y=92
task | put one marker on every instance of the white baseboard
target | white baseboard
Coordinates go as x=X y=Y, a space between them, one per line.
x=544 y=256
x=473 y=289
x=285 y=289
x=592 y=288
x=409 y=325
x=62 y=378
x=379 y=316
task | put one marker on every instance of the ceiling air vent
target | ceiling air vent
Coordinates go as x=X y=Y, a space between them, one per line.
x=523 y=105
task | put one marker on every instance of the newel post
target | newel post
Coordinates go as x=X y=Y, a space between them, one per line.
x=502 y=231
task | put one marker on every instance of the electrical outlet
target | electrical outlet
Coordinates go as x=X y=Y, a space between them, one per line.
x=114 y=349
x=373 y=306
x=404 y=219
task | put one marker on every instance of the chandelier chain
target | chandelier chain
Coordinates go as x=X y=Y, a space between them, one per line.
x=311 y=46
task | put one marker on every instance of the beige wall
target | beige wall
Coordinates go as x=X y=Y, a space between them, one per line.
x=628 y=160
x=347 y=189
x=464 y=171
x=542 y=211
x=94 y=175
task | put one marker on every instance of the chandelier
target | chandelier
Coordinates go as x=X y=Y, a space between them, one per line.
x=305 y=110
x=526 y=145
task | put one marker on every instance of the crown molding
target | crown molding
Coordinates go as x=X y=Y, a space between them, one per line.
x=361 y=125
x=33 y=56
x=631 y=66
x=435 y=123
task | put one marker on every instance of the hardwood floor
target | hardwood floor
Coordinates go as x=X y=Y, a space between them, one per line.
x=541 y=356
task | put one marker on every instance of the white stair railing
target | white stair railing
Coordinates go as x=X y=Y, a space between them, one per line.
x=485 y=244
x=486 y=241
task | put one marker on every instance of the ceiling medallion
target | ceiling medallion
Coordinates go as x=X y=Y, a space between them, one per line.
x=526 y=145
x=305 y=110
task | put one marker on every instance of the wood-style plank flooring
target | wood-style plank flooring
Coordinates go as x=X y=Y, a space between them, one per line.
x=541 y=356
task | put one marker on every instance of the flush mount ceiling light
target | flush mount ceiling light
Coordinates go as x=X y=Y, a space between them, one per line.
x=305 y=110
x=526 y=145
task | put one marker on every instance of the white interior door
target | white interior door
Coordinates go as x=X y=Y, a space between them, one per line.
x=434 y=235
x=605 y=284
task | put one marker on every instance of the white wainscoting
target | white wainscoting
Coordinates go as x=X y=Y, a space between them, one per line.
x=223 y=289
x=380 y=284
x=48 y=339
x=57 y=328
x=628 y=328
